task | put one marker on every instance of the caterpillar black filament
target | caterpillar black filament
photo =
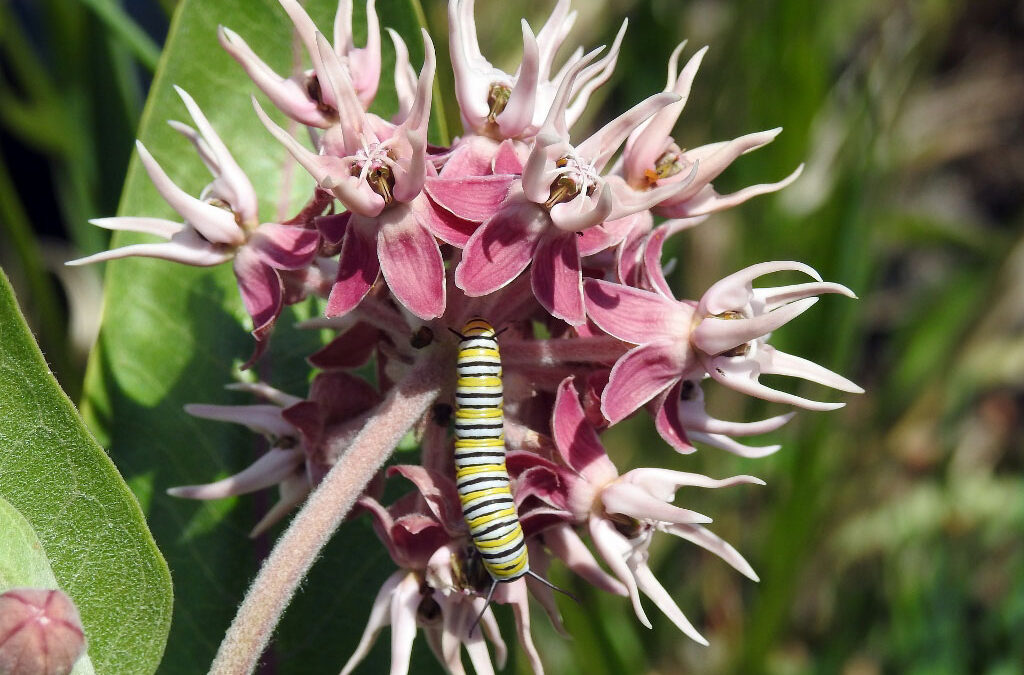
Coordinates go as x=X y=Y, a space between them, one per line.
x=480 y=474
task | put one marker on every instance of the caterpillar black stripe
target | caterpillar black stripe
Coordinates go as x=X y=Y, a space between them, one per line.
x=480 y=474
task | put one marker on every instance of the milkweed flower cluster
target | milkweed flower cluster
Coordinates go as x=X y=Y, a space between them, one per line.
x=542 y=230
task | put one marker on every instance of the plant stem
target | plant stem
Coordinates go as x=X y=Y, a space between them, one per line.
x=327 y=506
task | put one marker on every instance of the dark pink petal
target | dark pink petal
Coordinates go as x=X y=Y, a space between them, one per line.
x=507 y=159
x=307 y=417
x=634 y=315
x=358 y=267
x=341 y=396
x=472 y=157
x=667 y=421
x=411 y=262
x=639 y=376
x=575 y=438
x=443 y=224
x=351 y=349
x=543 y=484
x=261 y=289
x=285 y=247
x=500 y=249
x=557 y=278
x=332 y=228
x=474 y=198
x=439 y=492
x=610 y=233
x=40 y=632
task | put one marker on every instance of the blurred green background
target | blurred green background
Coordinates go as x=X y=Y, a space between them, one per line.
x=889 y=538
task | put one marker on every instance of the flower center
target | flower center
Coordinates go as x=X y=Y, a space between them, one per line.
x=578 y=176
x=669 y=164
x=497 y=99
x=374 y=164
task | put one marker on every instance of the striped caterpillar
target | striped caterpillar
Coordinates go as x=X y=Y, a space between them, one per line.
x=480 y=474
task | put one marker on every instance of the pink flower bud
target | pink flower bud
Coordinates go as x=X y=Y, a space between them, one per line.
x=40 y=632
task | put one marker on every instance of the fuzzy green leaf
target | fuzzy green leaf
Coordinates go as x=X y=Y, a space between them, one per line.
x=69 y=496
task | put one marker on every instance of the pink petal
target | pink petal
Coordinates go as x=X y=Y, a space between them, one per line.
x=557 y=279
x=411 y=262
x=439 y=492
x=506 y=160
x=333 y=227
x=341 y=396
x=285 y=247
x=351 y=349
x=570 y=549
x=474 y=198
x=575 y=438
x=358 y=267
x=634 y=315
x=442 y=223
x=640 y=375
x=261 y=289
x=500 y=249
x=668 y=423
x=471 y=157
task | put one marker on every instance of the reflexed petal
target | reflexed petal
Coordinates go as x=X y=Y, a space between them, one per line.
x=506 y=159
x=438 y=491
x=652 y=252
x=285 y=247
x=667 y=420
x=404 y=602
x=636 y=502
x=442 y=224
x=358 y=267
x=640 y=375
x=557 y=279
x=332 y=228
x=576 y=440
x=351 y=349
x=570 y=549
x=634 y=315
x=411 y=262
x=261 y=289
x=474 y=198
x=500 y=249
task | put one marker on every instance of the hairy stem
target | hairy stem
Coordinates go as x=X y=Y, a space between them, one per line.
x=555 y=352
x=320 y=516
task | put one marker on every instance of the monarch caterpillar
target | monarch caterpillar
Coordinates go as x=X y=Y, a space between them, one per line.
x=480 y=474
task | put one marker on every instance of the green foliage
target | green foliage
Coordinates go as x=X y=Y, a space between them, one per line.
x=64 y=506
x=171 y=333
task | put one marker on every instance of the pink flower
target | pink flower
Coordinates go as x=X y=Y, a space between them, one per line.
x=724 y=336
x=556 y=213
x=304 y=98
x=295 y=429
x=437 y=586
x=377 y=171
x=221 y=224
x=499 y=105
x=622 y=513
x=652 y=159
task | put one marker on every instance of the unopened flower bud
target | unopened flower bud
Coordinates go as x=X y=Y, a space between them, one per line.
x=40 y=632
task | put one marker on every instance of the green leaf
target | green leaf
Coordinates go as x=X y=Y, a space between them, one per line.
x=23 y=563
x=173 y=335
x=69 y=496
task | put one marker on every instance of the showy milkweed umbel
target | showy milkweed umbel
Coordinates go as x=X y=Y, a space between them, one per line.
x=480 y=474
